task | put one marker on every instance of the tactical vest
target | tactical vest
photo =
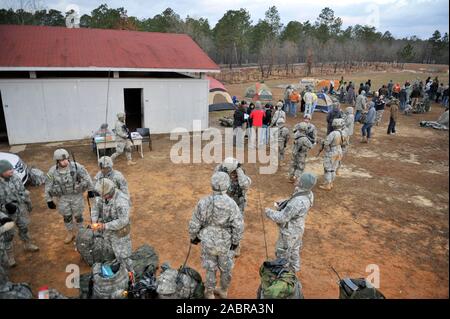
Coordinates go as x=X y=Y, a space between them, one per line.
x=66 y=183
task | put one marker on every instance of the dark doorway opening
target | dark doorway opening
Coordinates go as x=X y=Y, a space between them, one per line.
x=3 y=131
x=133 y=108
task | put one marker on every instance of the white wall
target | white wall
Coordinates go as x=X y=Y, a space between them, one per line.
x=47 y=110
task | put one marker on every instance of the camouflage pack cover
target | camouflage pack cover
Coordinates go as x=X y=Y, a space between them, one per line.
x=92 y=247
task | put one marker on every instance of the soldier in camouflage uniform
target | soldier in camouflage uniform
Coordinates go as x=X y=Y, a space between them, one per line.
x=6 y=226
x=106 y=170
x=111 y=215
x=311 y=131
x=291 y=220
x=67 y=181
x=15 y=201
x=218 y=224
x=283 y=138
x=239 y=185
x=333 y=153
x=123 y=139
x=300 y=148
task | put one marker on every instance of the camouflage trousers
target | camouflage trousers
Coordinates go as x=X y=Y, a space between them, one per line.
x=213 y=262
x=288 y=246
x=71 y=207
x=123 y=145
x=3 y=253
x=331 y=162
x=298 y=163
x=22 y=220
x=281 y=152
x=121 y=247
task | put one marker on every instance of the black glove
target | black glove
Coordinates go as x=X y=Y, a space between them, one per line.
x=51 y=205
x=233 y=246
x=195 y=241
x=5 y=220
x=11 y=208
x=238 y=165
x=92 y=194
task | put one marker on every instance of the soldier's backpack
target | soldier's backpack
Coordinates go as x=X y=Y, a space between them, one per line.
x=36 y=177
x=9 y=290
x=145 y=287
x=185 y=283
x=358 y=289
x=278 y=281
x=110 y=287
x=144 y=259
x=92 y=247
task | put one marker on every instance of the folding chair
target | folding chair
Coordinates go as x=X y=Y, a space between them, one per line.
x=145 y=133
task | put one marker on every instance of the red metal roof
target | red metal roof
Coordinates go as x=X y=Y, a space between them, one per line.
x=38 y=47
x=215 y=84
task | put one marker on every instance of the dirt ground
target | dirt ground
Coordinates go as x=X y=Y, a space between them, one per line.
x=389 y=207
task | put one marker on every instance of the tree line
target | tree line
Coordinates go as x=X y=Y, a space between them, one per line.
x=236 y=40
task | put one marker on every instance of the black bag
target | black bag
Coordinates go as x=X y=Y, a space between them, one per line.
x=358 y=289
x=86 y=284
x=146 y=287
x=144 y=259
x=92 y=247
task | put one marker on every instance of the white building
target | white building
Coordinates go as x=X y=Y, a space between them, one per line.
x=54 y=81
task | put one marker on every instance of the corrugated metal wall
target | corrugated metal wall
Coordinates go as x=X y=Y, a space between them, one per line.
x=47 y=110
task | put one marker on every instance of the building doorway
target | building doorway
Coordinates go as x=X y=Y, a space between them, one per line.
x=3 y=130
x=133 y=108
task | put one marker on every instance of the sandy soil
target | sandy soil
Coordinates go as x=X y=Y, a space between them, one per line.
x=389 y=207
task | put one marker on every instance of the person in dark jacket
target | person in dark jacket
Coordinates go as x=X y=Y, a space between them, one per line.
x=238 y=124
x=335 y=113
x=403 y=98
x=266 y=121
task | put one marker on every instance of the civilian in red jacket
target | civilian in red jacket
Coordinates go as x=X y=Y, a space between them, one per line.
x=257 y=117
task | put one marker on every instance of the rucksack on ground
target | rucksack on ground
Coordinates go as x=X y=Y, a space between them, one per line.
x=92 y=247
x=144 y=259
x=11 y=290
x=86 y=285
x=110 y=287
x=358 y=289
x=185 y=283
x=278 y=281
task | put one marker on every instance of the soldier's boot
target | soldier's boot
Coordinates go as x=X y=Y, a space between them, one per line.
x=292 y=179
x=363 y=139
x=209 y=294
x=10 y=257
x=29 y=246
x=326 y=187
x=337 y=172
x=69 y=237
x=130 y=162
x=221 y=292
x=237 y=251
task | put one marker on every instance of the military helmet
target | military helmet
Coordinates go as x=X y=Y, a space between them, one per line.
x=105 y=186
x=5 y=166
x=307 y=181
x=230 y=164
x=302 y=126
x=338 y=123
x=105 y=161
x=60 y=154
x=220 y=181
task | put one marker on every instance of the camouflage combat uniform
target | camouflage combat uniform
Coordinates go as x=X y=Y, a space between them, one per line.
x=118 y=179
x=291 y=223
x=115 y=215
x=218 y=223
x=3 y=242
x=333 y=154
x=283 y=138
x=13 y=191
x=68 y=184
x=300 y=149
x=122 y=141
x=238 y=188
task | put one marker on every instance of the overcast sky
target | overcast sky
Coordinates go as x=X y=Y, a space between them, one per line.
x=403 y=18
